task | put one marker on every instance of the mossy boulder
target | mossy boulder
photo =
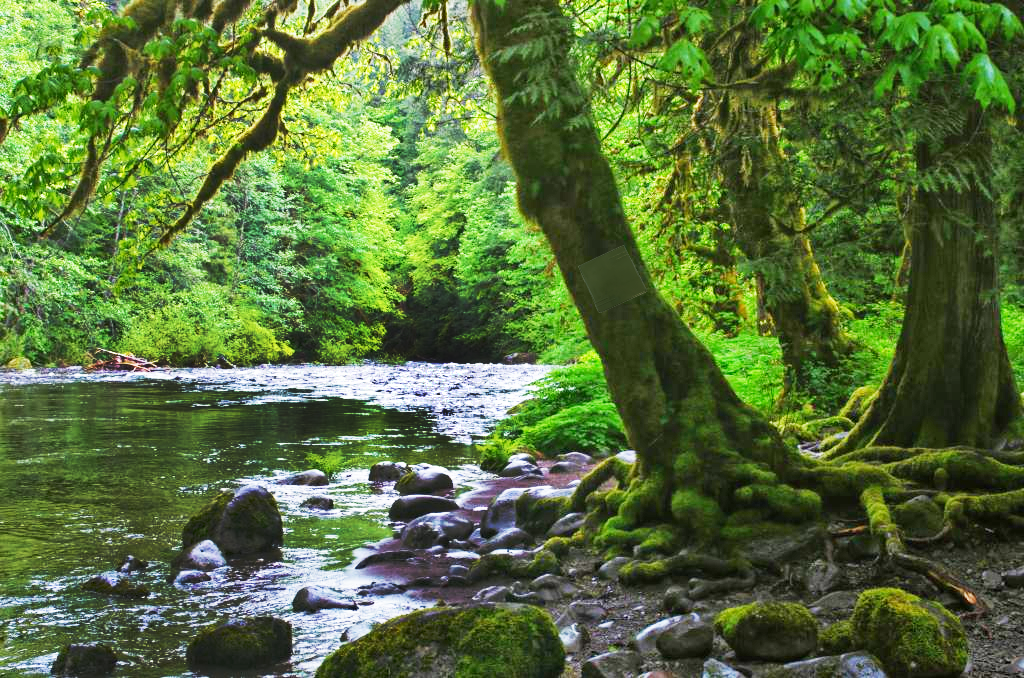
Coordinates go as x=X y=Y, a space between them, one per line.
x=245 y=643
x=477 y=641
x=425 y=479
x=84 y=659
x=771 y=631
x=538 y=508
x=241 y=522
x=919 y=517
x=506 y=564
x=913 y=638
x=837 y=638
x=19 y=364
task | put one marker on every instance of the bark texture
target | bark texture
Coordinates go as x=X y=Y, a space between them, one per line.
x=696 y=441
x=950 y=381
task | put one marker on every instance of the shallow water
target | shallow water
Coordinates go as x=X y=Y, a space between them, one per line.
x=94 y=467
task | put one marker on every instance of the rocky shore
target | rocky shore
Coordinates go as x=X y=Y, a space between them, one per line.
x=499 y=566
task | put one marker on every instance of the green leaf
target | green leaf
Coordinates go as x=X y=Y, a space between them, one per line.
x=644 y=31
x=988 y=83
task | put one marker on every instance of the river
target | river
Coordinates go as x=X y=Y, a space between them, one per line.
x=94 y=467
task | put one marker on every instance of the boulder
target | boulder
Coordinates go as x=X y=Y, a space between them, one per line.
x=436 y=528
x=477 y=640
x=562 y=467
x=576 y=458
x=203 y=556
x=612 y=665
x=685 y=639
x=506 y=539
x=517 y=468
x=772 y=631
x=19 y=363
x=245 y=643
x=501 y=512
x=387 y=471
x=912 y=638
x=646 y=641
x=424 y=480
x=677 y=600
x=520 y=358
x=115 y=584
x=567 y=525
x=851 y=665
x=312 y=478
x=319 y=503
x=84 y=659
x=314 y=598
x=241 y=522
x=919 y=517
x=837 y=638
x=398 y=556
x=186 y=577
x=413 y=506
x=538 y=508
x=824 y=577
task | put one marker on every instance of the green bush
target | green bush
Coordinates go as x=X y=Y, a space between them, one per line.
x=591 y=427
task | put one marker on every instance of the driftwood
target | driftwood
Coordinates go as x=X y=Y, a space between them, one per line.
x=125 y=362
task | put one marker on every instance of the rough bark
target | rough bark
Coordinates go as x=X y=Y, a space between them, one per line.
x=950 y=381
x=696 y=441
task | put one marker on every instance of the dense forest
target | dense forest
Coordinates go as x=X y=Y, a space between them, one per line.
x=822 y=201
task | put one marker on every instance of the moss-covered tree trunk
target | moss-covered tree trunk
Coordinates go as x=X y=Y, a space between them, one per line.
x=696 y=441
x=950 y=381
x=768 y=220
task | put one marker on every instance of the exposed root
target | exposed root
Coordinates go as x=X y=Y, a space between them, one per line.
x=887 y=532
x=613 y=467
x=736 y=572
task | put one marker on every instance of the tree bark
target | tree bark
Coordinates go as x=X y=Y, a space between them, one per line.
x=690 y=430
x=950 y=381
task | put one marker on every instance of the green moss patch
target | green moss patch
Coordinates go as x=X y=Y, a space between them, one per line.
x=770 y=631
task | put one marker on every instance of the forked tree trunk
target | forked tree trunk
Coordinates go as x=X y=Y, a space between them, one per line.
x=950 y=381
x=673 y=399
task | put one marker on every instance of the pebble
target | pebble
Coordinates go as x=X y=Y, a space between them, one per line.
x=993 y=581
x=587 y=611
x=612 y=665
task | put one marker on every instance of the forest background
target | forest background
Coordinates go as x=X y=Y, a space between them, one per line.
x=383 y=223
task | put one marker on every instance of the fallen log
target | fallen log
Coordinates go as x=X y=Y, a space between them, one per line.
x=119 y=362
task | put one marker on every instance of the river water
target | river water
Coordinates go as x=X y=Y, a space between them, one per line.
x=96 y=467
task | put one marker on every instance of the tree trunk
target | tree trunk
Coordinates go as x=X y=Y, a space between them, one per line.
x=688 y=426
x=765 y=214
x=950 y=381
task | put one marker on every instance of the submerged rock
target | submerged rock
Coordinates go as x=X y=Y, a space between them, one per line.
x=115 y=584
x=84 y=659
x=242 y=522
x=425 y=480
x=318 y=502
x=314 y=598
x=387 y=471
x=913 y=638
x=312 y=477
x=413 y=506
x=246 y=643
x=772 y=631
x=191 y=577
x=203 y=556
x=132 y=564
x=510 y=641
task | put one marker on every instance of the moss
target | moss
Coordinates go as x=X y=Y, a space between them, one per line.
x=242 y=643
x=821 y=428
x=537 y=515
x=909 y=636
x=984 y=507
x=612 y=467
x=837 y=638
x=662 y=539
x=699 y=516
x=481 y=641
x=558 y=545
x=638 y=572
x=780 y=501
x=918 y=517
x=200 y=526
x=614 y=500
x=743 y=527
x=858 y=402
x=645 y=499
x=845 y=481
x=491 y=564
x=965 y=469
x=764 y=622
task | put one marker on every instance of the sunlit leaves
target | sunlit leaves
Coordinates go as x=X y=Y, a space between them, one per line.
x=689 y=59
x=987 y=82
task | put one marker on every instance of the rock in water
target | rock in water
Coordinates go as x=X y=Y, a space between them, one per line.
x=241 y=522
x=314 y=598
x=115 y=584
x=132 y=564
x=318 y=502
x=773 y=631
x=415 y=505
x=913 y=638
x=247 y=643
x=86 y=659
x=312 y=478
x=436 y=528
x=521 y=358
x=487 y=639
x=429 y=480
x=387 y=471
x=191 y=577
x=203 y=556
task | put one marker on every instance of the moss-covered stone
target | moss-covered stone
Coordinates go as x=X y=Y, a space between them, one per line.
x=918 y=517
x=837 y=638
x=496 y=564
x=245 y=521
x=479 y=641
x=770 y=631
x=827 y=426
x=250 y=642
x=910 y=636
x=92 y=659
x=538 y=508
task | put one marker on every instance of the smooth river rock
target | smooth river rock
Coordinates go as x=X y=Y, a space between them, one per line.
x=203 y=556
x=685 y=639
x=312 y=478
x=517 y=468
x=115 y=584
x=501 y=512
x=851 y=665
x=436 y=528
x=84 y=659
x=246 y=521
x=246 y=643
x=319 y=502
x=425 y=479
x=186 y=577
x=413 y=506
x=387 y=471
x=314 y=598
